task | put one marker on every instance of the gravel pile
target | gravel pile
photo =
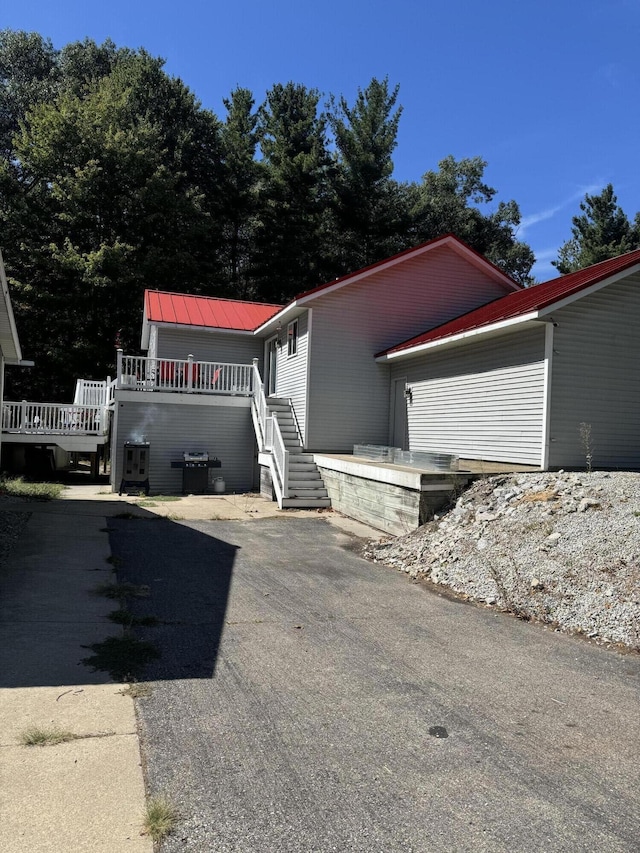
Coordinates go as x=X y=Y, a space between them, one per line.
x=563 y=548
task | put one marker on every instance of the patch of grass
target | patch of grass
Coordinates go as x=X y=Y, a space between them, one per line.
x=138 y=690
x=35 y=736
x=122 y=657
x=160 y=818
x=16 y=487
x=125 y=617
x=123 y=590
x=173 y=517
x=147 y=503
x=164 y=498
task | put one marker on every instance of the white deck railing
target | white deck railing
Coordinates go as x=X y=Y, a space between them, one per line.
x=54 y=419
x=183 y=375
x=90 y=392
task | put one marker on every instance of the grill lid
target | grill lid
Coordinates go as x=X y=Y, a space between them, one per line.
x=195 y=456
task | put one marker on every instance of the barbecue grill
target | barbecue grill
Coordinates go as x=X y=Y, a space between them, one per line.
x=195 y=466
x=135 y=466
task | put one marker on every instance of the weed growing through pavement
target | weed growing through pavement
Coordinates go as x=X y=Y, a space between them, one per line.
x=35 y=736
x=126 y=618
x=17 y=488
x=137 y=690
x=123 y=657
x=160 y=818
x=45 y=737
x=123 y=590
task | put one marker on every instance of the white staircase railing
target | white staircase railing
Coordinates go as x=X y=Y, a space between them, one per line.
x=269 y=437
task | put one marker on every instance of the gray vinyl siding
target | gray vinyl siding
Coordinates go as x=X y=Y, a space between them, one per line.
x=291 y=371
x=596 y=378
x=208 y=346
x=349 y=390
x=173 y=428
x=480 y=400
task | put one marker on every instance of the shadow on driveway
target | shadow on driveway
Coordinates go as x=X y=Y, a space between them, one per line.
x=189 y=578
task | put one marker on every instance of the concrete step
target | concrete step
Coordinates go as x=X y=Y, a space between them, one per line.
x=307 y=493
x=305 y=476
x=298 y=483
x=305 y=503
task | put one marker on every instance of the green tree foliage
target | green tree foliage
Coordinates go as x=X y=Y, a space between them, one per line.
x=113 y=179
x=449 y=200
x=240 y=181
x=294 y=194
x=371 y=218
x=600 y=232
x=123 y=177
x=29 y=74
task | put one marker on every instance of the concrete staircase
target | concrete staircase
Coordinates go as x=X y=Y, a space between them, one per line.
x=305 y=487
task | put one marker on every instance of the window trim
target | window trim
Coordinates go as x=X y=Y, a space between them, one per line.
x=292 y=338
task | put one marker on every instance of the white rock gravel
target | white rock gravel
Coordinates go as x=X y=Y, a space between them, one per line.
x=563 y=548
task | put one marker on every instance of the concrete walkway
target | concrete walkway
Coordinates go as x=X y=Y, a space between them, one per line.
x=87 y=794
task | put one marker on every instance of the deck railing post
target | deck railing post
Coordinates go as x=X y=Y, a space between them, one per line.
x=23 y=416
x=119 y=353
x=189 y=373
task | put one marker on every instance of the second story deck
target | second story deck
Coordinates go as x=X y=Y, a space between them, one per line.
x=185 y=376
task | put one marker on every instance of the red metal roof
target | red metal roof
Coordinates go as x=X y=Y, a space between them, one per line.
x=206 y=311
x=523 y=302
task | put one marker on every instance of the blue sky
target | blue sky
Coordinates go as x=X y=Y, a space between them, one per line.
x=545 y=91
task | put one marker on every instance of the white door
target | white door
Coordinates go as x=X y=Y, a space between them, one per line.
x=271 y=362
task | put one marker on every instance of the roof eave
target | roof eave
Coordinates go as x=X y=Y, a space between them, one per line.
x=10 y=342
x=461 y=337
x=589 y=289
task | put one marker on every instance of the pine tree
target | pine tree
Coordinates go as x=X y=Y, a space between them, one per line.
x=371 y=218
x=601 y=232
x=294 y=195
x=240 y=180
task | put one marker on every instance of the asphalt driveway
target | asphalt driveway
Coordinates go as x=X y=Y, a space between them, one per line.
x=307 y=700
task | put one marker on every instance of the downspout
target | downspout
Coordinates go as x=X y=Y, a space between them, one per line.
x=546 y=393
x=307 y=390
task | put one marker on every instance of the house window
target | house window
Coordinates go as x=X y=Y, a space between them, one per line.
x=292 y=338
